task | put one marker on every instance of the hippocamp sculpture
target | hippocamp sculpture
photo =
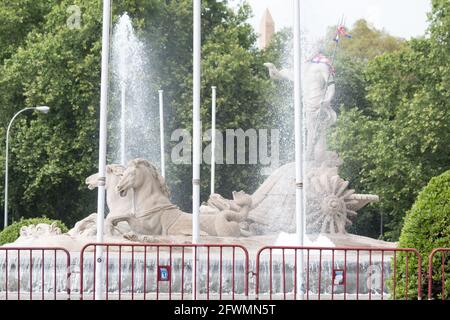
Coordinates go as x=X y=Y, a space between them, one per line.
x=155 y=215
x=116 y=204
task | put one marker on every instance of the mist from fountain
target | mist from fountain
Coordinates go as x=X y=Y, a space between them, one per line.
x=134 y=120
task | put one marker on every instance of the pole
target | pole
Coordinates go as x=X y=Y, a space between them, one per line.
x=5 y=222
x=161 y=132
x=102 y=148
x=196 y=121
x=213 y=139
x=122 y=126
x=196 y=136
x=299 y=144
x=298 y=127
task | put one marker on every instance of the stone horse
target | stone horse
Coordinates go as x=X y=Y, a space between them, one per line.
x=156 y=215
x=117 y=205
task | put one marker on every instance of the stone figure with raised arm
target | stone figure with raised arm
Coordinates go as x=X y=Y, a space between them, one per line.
x=318 y=92
x=330 y=202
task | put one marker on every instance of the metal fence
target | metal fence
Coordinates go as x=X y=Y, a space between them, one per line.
x=317 y=273
x=165 y=271
x=438 y=266
x=34 y=274
x=222 y=271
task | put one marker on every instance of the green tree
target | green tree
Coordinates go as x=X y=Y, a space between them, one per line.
x=352 y=56
x=18 y=18
x=367 y=42
x=58 y=66
x=399 y=141
x=51 y=155
x=427 y=226
x=232 y=64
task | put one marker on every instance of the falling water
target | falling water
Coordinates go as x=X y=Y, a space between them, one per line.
x=134 y=118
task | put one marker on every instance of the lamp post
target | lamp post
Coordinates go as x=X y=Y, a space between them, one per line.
x=42 y=109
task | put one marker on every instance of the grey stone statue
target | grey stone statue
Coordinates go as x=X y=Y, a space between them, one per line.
x=330 y=203
x=155 y=215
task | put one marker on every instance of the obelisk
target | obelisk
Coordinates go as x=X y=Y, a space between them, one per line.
x=266 y=29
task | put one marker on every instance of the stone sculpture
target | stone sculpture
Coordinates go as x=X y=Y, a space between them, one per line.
x=274 y=73
x=138 y=198
x=155 y=215
x=318 y=91
x=40 y=230
x=329 y=202
x=139 y=204
x=116 y=205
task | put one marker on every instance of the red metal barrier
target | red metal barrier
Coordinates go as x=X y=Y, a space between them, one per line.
x=34 y=273
x=441 y=288
x=333 y=273
x=165 y=271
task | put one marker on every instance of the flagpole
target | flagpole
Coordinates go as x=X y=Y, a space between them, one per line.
x=161 y=132
x=196 y=138
x=102 y=148
x=196 y=122
x=213 y=139
x=299 y=144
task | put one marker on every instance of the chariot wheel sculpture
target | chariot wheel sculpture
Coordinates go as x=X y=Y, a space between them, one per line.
x=330 y=204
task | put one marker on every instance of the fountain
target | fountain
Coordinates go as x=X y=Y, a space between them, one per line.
x=146 y=214
x=133 y=115
x=330 y=203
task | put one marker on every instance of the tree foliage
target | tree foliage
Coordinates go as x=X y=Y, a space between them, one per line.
x=367 y=42
x=427 y=226
x=351 y=59
x=18 y=18
x=52 y=64
x=398 y=140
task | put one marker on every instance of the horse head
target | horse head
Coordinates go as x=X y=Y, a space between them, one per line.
x=140 y=172
x=113 y=174
x=92 y=181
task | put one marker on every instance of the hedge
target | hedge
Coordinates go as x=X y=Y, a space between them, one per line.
x=426 y=227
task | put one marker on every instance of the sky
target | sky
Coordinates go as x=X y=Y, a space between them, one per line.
x=401 y=18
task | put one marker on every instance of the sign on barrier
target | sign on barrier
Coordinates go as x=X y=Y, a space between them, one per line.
x=164 y=273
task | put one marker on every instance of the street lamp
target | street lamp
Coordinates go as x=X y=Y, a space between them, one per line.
x=42 y=109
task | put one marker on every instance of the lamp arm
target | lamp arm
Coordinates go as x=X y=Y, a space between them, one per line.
x=5 y=224
x=14 y=117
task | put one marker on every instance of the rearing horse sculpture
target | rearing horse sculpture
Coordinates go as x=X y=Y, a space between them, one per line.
x=117 y=205
x=156 y=215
